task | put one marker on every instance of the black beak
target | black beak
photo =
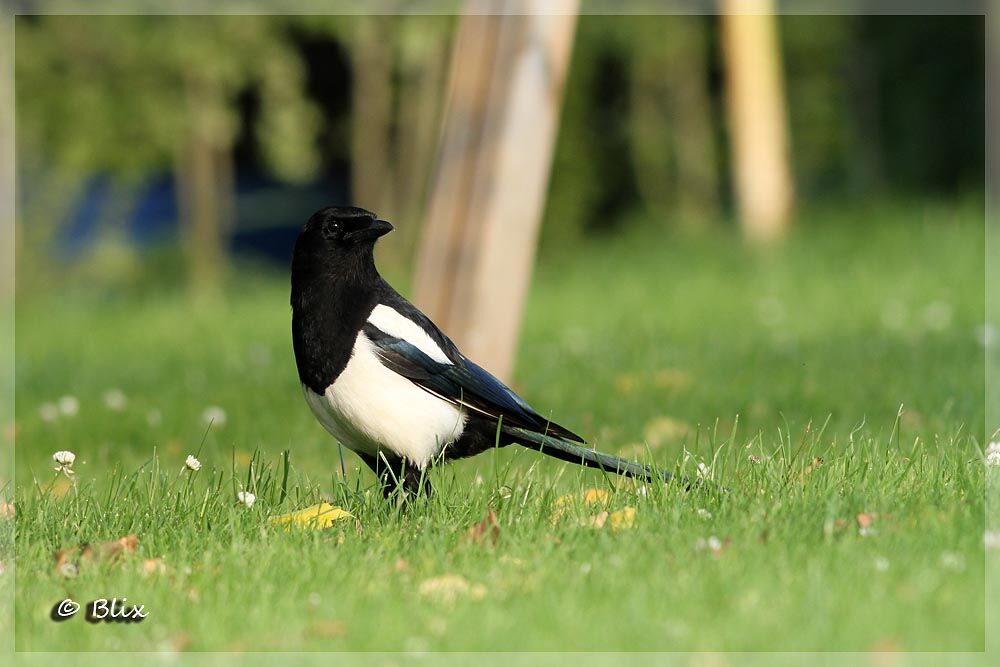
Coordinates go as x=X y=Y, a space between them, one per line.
x=376 y=229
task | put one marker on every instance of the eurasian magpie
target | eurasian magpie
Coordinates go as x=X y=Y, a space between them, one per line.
x=386 y=382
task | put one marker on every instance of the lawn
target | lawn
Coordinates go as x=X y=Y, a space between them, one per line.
x=834 y=385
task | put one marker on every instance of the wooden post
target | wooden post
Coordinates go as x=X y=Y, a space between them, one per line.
x=488 y=191
x=757 y=120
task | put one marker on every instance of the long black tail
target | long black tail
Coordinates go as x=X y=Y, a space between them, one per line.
x=573 y=453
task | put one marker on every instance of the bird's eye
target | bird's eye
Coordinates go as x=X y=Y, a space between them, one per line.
x=332 y=229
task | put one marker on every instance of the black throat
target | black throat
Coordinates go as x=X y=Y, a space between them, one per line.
x=333 y=293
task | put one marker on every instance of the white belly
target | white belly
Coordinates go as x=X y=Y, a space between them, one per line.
x=370 y=407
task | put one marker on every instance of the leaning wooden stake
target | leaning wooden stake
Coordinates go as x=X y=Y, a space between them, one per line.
x=488 y=190
x=755 y=103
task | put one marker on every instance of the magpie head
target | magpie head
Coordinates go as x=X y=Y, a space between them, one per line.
x=343 y=228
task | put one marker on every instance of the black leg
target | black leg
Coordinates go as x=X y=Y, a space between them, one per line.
x=396 y=474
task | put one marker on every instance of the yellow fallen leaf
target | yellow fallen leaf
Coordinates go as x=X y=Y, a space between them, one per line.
x=588 y=497
x=618 y=520
x=623 y=519
x=319 y=516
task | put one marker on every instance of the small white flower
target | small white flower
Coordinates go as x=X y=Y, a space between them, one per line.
x=993 y=454
x=866 y=531
x=703 y=513
x=753 y=458
x=881 y=563
x=214 y=415
x=49 y=412
x=69 y=406
x=115 y=399
x=192 y=463
x=712 y=543
x=246 y=498
x=64 y=462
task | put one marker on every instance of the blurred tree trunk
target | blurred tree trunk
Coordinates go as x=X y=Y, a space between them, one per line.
x=486 y=202
x=205 y=190
x=423 y=61
x=992 y=232
x=757 y=118
x=8 y=238
x=371 y=114
x=671 y=125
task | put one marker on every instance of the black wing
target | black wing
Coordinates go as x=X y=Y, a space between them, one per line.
x=462 y=381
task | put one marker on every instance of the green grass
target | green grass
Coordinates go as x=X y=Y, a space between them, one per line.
x=672 y=349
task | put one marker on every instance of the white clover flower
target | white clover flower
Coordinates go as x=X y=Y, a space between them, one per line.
x=192 y=463
x=992 y=454
x=115 y=399
x=246 y=498
x=214 y=415
x=69 y=406
x=49 y=412
x=64 y=462
x=713 y=544
x=703 y=513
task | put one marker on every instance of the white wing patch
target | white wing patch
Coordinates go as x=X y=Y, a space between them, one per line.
x=370 y=407
x=388 y=320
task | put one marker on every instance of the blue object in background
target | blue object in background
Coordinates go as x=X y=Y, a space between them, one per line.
x=268 y=213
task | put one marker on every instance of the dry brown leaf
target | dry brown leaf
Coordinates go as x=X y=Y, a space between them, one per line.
x=68 y=561
x=401 y=565
x=6 y=510
x=486 y=531
x=111 y=551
